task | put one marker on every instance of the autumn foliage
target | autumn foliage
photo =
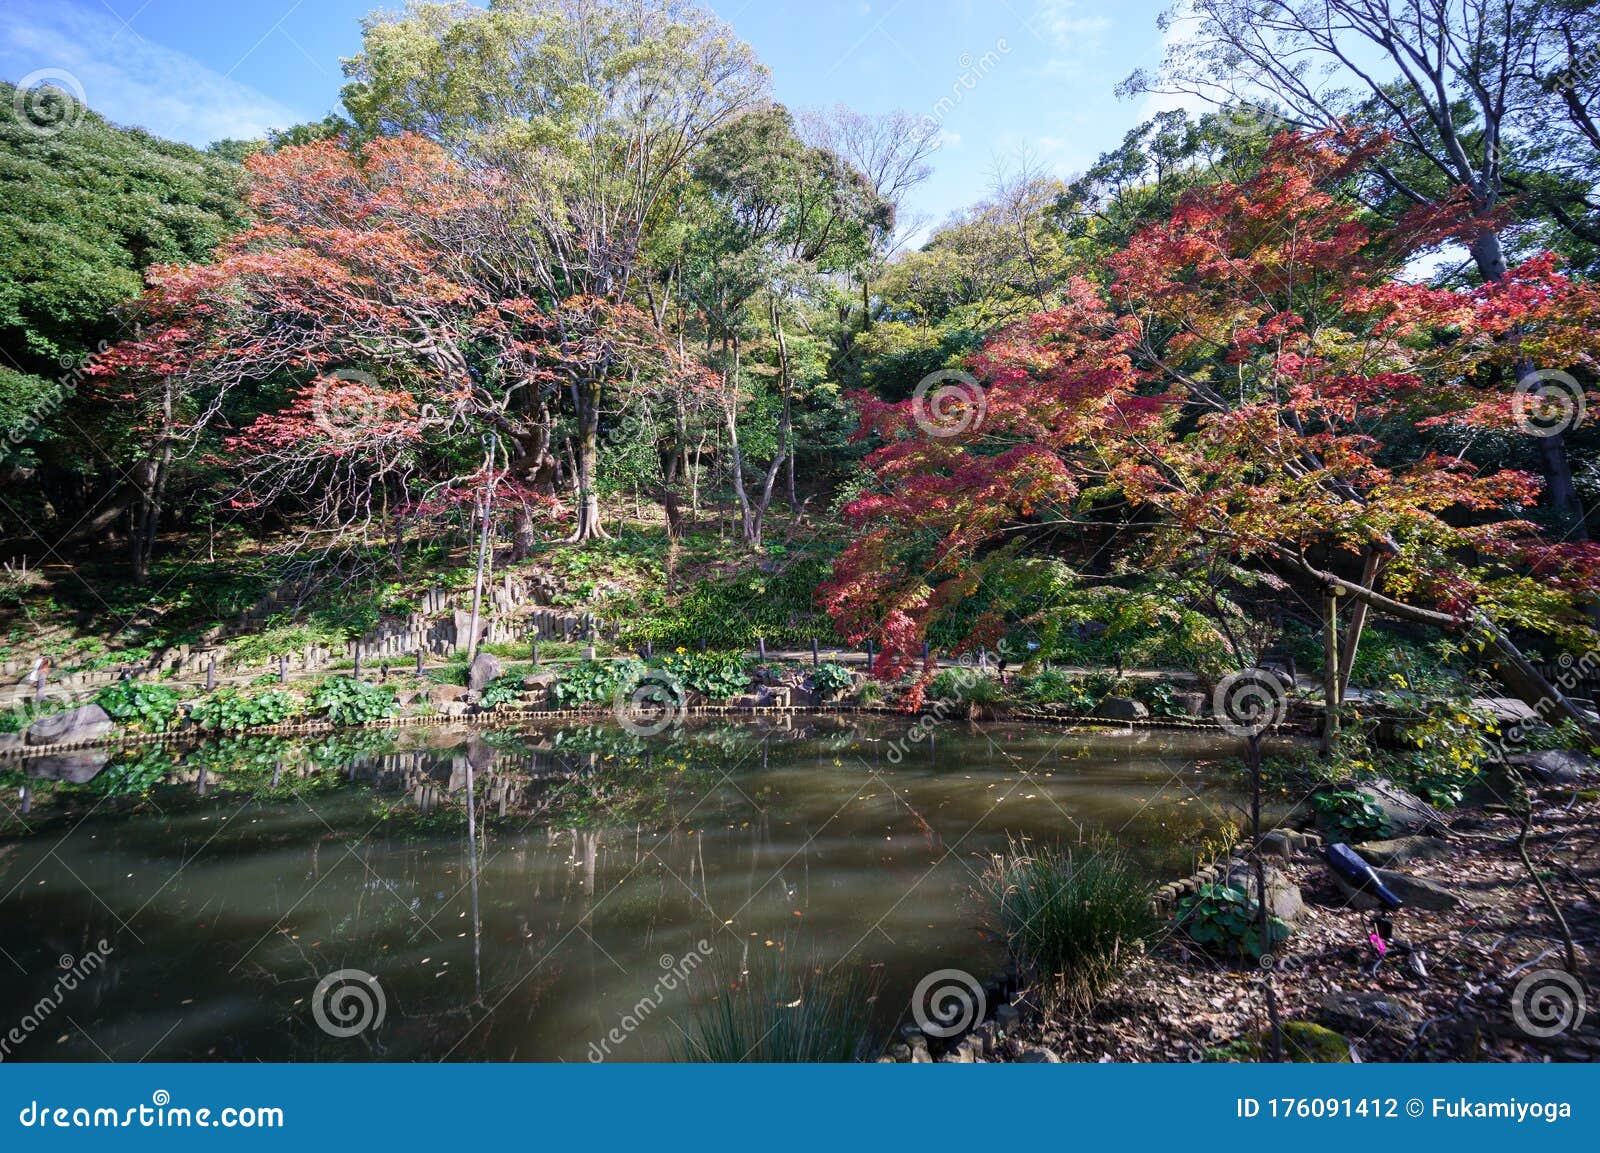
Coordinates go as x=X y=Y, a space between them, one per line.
x=1257 y=387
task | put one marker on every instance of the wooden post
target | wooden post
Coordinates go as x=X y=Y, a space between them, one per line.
x=211 y=672
x=419 y=661
x=535 y=650
x=926 y=653
x=356 y=672
x=1330 y=672
x=761 y=648
x=816 y=657
x=283 y=668
x=1358 y=622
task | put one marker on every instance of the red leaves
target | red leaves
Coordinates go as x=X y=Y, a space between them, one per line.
x=1268 y=314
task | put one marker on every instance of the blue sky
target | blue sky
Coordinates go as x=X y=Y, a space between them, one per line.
x=1040 y=72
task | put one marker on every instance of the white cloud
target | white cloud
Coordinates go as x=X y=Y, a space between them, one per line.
x=131 y=80
x=1070 y=34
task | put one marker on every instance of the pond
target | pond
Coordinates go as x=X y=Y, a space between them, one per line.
x=524 y=895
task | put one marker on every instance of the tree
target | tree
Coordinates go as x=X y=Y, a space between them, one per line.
x=1239 y=387
x=1465 y=86
x=594 y=107
x=85 y=206
x=377 y=290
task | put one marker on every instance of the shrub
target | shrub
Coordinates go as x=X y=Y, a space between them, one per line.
x=1055 y=687
x=351 y=702
x=139 y=704
x=591 y=682
x=1073 y=922
x=503 y=690
x=832 y=678
x=781 y=1010
x=1226 y=920
x=227 y=709
x=1349 y=814
x=717 y=676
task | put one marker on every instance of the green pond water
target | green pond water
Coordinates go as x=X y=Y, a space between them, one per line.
x=525 y=895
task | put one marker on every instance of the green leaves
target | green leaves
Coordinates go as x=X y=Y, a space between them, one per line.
x=1225 y=919
x=352 y=702
x=137 y=704
x=227 y=709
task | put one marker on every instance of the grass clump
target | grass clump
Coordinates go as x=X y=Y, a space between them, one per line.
x=1073 y=920
x=782 y=1010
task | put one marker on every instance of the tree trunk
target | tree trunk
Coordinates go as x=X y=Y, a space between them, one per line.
x=586 y=400
x=1370 y=566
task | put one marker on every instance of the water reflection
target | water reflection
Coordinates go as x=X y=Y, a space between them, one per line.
x=515 y=894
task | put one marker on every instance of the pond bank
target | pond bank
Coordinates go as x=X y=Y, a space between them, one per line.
x=1486 y=963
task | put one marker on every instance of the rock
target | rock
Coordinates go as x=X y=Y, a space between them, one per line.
x=777 y=697
x=921 y=1056
x=439 y=695
x=1277 y=843
x=75 y=768
x=1402 y=849
x=913 y=1034
x=454 y=708
x=1556 y=767
x=1190 y=704
x=1416 y=892
x=960 y=1055
x=10 y=742
x=1403 y=813
x=1307 y=1043
x=1006 y=1016
x=544 y=681
x=85 y=723
x=899 y=1051
x=1038 y=1055
x=983 y=1036
x=1363 y=1013
x=744 y=701
x=485 y=667
x=1283 y=895
x=1121 y=709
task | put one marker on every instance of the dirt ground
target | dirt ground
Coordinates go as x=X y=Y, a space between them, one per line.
x=1181 y=1004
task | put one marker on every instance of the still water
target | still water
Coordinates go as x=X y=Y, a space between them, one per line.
x=520 y=895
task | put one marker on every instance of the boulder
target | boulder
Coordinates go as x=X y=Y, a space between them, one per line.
x=454 y=708
x=1007 y=1016
x=485 y=667
x=1121 y=709
x=9 y=742
x=1403 y=812
x=75 y=768
x=1401 y=849
x=1416 y=892
x=773 y=696
x=85 y=723
x=1038 y=1055
x=1283 y=895
x=1360 y=1014
x=1190 y=704
x=1307 y=1043
x=544 y=681
x=1556 y=767
x=439 y=695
